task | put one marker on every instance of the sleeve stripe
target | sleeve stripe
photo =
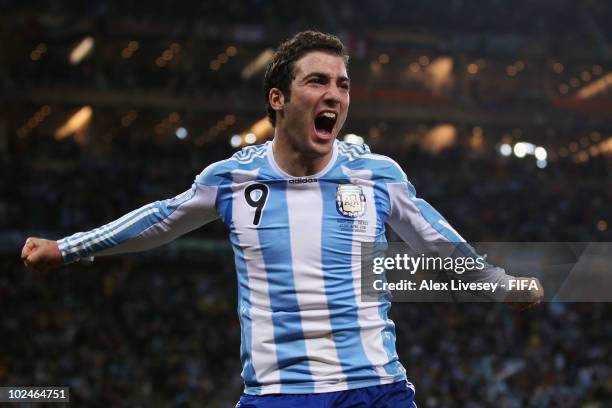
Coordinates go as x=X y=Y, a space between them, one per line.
x=79 y=238
x=81 y=245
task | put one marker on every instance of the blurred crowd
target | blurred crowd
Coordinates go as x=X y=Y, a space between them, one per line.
x=504 y=199
x=486 y=198
x=475 y=355
x=161 y=330
x=122 y=333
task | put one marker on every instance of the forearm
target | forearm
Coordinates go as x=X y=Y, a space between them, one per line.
x=116 y=237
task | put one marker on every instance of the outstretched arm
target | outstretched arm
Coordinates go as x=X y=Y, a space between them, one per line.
x=419 y=224
x=147 y=227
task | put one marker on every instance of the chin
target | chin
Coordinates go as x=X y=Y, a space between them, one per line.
x=321 y=147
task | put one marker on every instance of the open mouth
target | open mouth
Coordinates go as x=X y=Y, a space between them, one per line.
x=325 y=122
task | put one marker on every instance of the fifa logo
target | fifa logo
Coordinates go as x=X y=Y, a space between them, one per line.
x=350 y=200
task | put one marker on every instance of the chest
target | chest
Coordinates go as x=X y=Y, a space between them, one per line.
x=305 y=207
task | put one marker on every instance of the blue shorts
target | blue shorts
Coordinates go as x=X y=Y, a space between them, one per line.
x=396 y=395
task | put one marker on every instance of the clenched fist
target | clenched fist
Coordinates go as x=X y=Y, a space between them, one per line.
x=40 y=254
x=525 y=293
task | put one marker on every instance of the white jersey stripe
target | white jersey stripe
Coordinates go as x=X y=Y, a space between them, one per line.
x=306 y=252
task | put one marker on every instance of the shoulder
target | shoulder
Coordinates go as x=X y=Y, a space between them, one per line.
x=352 y=151
x=247 y=158
x=359 y=157
x=250 y=154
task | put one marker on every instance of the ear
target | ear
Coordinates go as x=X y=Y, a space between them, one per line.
x=276 y=99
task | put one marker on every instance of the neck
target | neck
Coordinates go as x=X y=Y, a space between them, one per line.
x=294 y=162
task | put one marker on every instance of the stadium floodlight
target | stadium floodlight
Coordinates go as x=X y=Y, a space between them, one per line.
x=605 y=147
x=75 y=123
x=236 y=141
x=353 y=138
x=439 y=73
x=438 y=138
x=520 y=150
x=258 y=65
x=82 y=50
x=596 y=87
x=181 y=133
x=260 y=130
x=505 y=150
x=250 y=138
x=540 y=153
x=529 y=147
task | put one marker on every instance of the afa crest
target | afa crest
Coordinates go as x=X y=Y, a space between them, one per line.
x=350 y=200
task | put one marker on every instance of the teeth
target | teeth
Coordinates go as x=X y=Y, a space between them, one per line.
x=330 y=115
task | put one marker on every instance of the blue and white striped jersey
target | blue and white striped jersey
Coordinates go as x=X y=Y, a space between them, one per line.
x=296 y=242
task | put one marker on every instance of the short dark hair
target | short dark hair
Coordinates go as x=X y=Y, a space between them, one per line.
x=279 y=72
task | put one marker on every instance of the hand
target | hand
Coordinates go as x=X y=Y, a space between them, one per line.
x=531 y=295
x=40 y=254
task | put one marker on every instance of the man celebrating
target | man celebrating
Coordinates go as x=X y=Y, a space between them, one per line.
x=298 y=209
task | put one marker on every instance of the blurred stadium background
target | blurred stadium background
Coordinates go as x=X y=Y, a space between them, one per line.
x=499 y=112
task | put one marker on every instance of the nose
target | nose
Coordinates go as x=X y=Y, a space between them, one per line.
x=333 y=96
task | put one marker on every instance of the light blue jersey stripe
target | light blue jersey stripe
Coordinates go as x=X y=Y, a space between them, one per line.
x=336 y=247
x=275 y=243
x=393 y=367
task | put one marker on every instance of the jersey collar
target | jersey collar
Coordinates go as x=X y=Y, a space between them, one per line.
x=332 y=161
